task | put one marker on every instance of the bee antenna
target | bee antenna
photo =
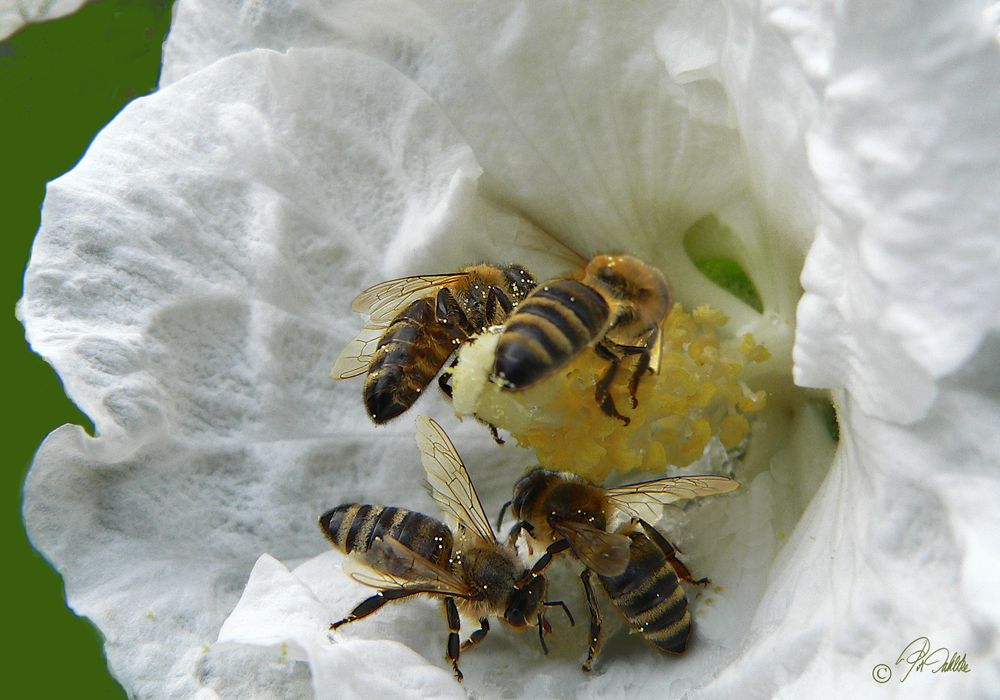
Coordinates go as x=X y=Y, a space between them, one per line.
x=542 y=624
x=503 y=509
x=561 y=603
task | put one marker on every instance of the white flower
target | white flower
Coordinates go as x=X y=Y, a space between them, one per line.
x=191 y=277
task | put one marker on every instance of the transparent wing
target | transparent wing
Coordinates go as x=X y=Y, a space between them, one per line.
x=357 y=356
x=539 y=240
x=389 y=564
x=384 y=300
x=449 y=481
x=606 y=553
x=646 y=499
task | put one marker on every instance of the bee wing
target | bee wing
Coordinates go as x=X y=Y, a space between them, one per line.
x=541 y=241
x=449 y=481
x=389 y=564
x=606 y=553
x=382 y=301
x=646 y=499
x=357 y=356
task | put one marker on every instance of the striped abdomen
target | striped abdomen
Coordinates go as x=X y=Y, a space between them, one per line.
x=409 y=355
x=650 y=597
x=353 y=527
x=553 y=324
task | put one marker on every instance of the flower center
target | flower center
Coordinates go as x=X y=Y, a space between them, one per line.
x=721 y=400
x=697 y=393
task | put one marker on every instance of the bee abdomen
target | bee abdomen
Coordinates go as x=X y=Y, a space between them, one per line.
x=354 y=526
x=554 y=323
x=409 y=355
x=650 y=597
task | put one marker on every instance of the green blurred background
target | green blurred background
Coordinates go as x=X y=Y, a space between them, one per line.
x=60 y=83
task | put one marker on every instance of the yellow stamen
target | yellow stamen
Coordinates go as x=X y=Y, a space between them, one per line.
x=699 y=393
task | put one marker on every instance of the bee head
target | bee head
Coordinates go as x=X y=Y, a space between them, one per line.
x=631 y=280
x=525 y=601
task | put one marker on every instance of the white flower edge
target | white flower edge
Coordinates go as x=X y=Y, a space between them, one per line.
x=15 y=14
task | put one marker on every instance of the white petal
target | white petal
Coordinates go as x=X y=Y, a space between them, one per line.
x=191 y=284
x=235 y=208
x=15 y=14
x=203 y=31
x=906 y=152
x=280 y=612
x=899 y=543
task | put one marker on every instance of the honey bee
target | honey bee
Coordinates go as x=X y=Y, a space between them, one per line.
x=616 y=307
x=416 y=323
x=404 y=553
x=635 y=564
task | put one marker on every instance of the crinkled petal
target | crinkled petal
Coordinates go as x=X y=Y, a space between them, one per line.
x=190 y=283
x=901 y=284
x=899 y=543
x=203 y=31
x=242 y=202
x=279 y=612
x=15 y=14
x=568 y=110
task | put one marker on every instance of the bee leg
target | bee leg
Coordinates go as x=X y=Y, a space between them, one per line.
x=516 y=530
x=670 y=552
x=546 y=559
x=477 y=636
x=493 y=432
x=640 y=369
x=594 y=640
x=454 y=626
x=602 y=392
x=452 y=316
x=543 y=561
x=498 y=306
x=444 y=380
x=369 y=605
